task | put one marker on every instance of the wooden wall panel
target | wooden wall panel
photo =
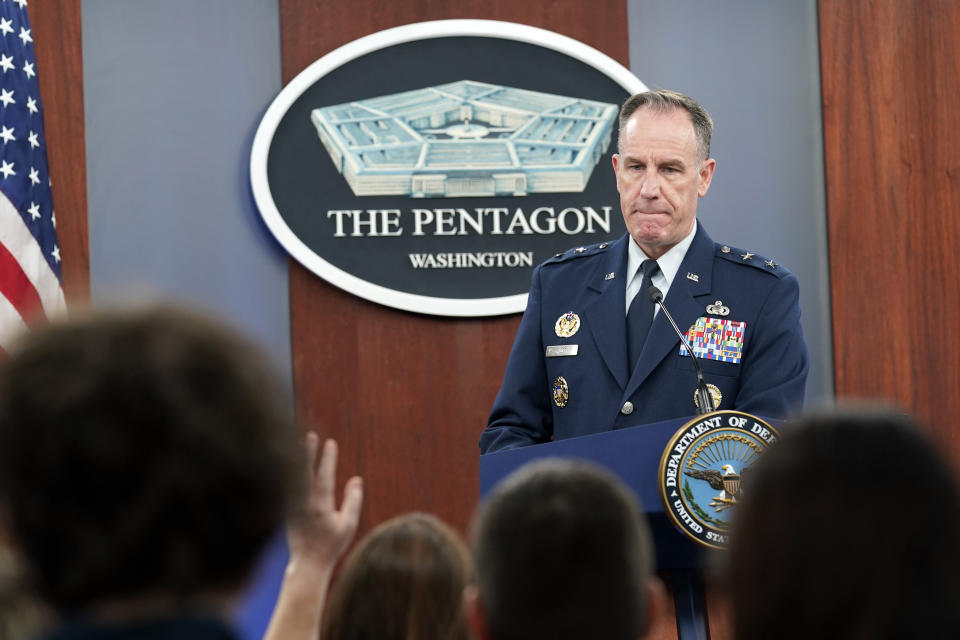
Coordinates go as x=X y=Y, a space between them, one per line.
x=407 y=395
x=892 y=144
x=57 y=37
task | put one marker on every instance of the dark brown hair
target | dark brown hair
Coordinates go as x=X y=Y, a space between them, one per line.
x=142 y=453
x=562 y=552
x=848 y=529
x=404 y=581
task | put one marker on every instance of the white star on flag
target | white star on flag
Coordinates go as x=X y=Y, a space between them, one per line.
x=32 y=138
x=6 y=97
x=34 y=175
x=34 y=210
x=7 y=134
x=25 y=36
x=32 y=105
x=6 y=26
x=28 y=69
x=6 y=62
x=6 y=168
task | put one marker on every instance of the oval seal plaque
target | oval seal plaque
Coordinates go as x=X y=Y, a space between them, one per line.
x=704 y=469
x=431 y=167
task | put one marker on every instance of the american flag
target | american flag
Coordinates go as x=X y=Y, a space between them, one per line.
x=30 y=275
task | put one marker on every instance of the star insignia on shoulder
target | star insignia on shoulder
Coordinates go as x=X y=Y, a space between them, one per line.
x=746 y=256
x=770 y=263
x=725 y=249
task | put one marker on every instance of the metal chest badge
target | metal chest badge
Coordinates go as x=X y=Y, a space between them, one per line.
x=717 y=309
x=561 y=392
x=705 y=467
x=567 y=324
x=716 y=397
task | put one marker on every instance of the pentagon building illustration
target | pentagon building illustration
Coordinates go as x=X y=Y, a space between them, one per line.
x=466 y=138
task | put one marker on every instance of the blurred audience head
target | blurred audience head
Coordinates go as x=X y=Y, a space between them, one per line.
x=146 y=456
x=404 y=580
x=848 y=528
x=562 y=550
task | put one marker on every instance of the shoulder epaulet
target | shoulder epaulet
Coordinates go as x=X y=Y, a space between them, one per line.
x=578 y=252
x=750 y=259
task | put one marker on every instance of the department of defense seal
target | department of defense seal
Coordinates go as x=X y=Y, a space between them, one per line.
x=561 y=392
x=705 y=468
x=567 y=324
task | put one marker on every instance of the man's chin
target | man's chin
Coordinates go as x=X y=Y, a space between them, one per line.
x=653 y=246
x=652 y=240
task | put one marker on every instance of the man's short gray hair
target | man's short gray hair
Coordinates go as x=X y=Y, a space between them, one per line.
x=663 y=101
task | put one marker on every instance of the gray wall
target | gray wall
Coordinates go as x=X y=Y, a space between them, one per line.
x=173 y=92
x=755 y=66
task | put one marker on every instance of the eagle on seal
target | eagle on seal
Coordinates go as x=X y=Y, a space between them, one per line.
x=725 y=480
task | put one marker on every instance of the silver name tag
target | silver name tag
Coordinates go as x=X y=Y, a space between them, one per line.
x=556 y=350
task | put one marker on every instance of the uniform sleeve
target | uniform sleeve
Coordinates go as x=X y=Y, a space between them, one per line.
x=521 y=414
x=776 y=364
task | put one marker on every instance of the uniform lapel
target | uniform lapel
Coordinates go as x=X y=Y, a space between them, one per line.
x=682 y=303
x=605 y=315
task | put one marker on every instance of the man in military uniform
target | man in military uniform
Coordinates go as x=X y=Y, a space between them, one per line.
x=593 y=353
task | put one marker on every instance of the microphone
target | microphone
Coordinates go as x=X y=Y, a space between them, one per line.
x=703 y=400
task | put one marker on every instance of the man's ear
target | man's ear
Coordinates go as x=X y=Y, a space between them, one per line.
x=705 y=176
x=474 y=613
x=616 y=168
x=656 y=607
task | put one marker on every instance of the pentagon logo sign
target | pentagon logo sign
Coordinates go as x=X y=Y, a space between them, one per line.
x=466 y=139
x=432 y=166
x=705 y=468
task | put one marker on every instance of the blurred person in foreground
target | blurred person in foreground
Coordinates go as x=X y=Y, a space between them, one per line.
x=146 y=457
x=848 y=528
x=317 y=536
x=404 y=580
x=562 y=551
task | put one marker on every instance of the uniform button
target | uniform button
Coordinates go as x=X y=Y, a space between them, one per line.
x=627 y=408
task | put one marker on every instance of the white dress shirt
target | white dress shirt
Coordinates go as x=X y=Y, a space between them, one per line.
x=669 y=265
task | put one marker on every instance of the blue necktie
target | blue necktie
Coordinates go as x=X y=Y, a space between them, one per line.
x=640 y=315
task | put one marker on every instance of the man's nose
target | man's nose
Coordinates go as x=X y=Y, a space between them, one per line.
x=649 y=184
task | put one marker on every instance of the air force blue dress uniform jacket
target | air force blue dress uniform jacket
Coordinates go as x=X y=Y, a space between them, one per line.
x=599 y=392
